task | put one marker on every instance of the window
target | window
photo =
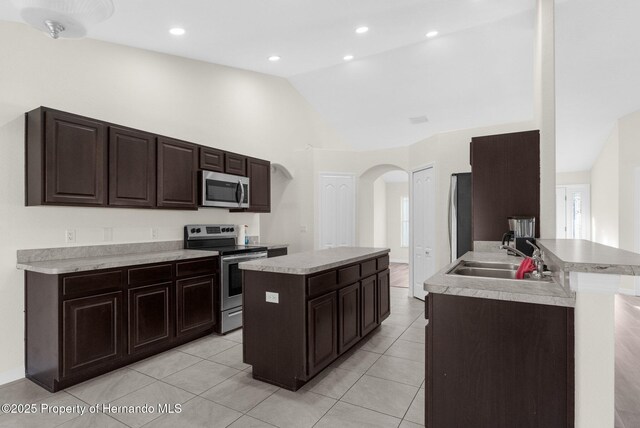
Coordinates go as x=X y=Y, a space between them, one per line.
x=404 y=222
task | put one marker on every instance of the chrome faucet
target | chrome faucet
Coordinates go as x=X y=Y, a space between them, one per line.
x=536 y=257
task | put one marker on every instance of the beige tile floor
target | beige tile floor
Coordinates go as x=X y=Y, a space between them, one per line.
x=378 y=384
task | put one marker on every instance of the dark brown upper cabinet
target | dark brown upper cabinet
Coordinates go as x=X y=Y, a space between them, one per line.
x=177 y=168
x=505 y=172
x=66 y=159
x=259 y=173
x=132 y=168
x=211 y=159
x=235 y=164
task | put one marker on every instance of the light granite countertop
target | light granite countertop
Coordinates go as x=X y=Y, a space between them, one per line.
x=526 y=291
x=269 y=245
x=78 y=258
x=579 y=255
x=309 y=262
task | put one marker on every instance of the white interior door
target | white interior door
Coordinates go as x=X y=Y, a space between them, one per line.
x=337 y=210
x=423 y=230
x=561 y=212
x=573 y=207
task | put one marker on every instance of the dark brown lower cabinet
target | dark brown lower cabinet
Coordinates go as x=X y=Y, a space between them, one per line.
x=150 y=317
x=369 y=292
x=92 y=332
x=349 y=317
x=318 y=318
x=81 y=325
x=498 y=364
x=195 y=301
x=323 y=331
x=384 y=295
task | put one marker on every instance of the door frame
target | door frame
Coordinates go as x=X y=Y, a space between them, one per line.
x=412 y=171
x=318 y=204
x=587 y=188
x=636 y=226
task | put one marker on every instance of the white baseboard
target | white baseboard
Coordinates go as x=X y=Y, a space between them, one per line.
x=11 y=375
x=398 y=261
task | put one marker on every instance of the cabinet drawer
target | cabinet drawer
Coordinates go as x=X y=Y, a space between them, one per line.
x=383 y=262
x=349 y=275
x=368 y=268
x=322 y=283
x=149 y=274
x=91 y=283
x=197 y=267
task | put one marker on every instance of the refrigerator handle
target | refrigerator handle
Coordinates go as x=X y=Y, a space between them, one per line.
x=452 y=213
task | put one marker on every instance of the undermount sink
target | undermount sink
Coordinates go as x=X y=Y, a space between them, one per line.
x=496 y=270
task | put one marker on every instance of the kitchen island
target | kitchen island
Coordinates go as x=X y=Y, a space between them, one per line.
x=526 y=353
x=304 y=310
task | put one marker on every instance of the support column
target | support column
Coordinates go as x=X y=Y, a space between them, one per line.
x=595 y=348
x=545 y=113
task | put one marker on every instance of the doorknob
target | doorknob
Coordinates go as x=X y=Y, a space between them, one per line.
x=427 y=252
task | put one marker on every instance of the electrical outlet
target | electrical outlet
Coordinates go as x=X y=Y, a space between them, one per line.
x=154 y=233
x=273 y=297
x=108 y=234
x=70 y=236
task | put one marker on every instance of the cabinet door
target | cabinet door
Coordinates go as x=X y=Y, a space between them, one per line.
x=235 y=164
x=322 y=324
x=150 y=320
x=92 y=333
x=132 y=168
x=260 y=185
x=348 y=317
x=177 y=167
x=211 y=159
x=511 y=189
x=196 y=304
x=75 y=160
x=369 y=309
x=384 y=295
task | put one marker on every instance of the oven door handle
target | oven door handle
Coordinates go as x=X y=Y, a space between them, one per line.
x=245 y=258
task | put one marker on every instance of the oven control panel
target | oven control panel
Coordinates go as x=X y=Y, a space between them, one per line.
x=206 y=231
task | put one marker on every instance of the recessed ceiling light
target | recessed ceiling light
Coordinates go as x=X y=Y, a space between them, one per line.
x=362 y=30
x=177 y=31
x=348 y=57
x=431 y=34
x=274 y=58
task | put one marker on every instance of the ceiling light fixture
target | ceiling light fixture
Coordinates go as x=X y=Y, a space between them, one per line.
x=431 y=34
x=64 y=18
x=177 y=31
x=274 y=58
x=362 y=30
x=348 y=57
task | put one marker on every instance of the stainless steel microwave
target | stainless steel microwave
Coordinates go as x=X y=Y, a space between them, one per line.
x=223 y=190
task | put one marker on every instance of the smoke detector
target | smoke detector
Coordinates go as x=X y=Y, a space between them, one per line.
x=418 y=120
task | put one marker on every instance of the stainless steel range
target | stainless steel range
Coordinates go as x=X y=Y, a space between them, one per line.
x=222 y=238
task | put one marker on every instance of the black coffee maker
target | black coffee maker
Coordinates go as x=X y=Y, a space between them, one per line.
x=521 y=230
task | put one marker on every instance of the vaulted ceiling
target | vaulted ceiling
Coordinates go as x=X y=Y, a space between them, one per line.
x=478 y=71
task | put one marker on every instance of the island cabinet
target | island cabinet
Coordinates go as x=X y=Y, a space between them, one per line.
x=498 y=364
x=83 y=324
x=296 y=325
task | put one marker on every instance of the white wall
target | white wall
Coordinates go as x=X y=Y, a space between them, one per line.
x=395 y=193
x=605 y=193
x=247 y=112
x=379 y=213
x=629 y=155
x=576 y=177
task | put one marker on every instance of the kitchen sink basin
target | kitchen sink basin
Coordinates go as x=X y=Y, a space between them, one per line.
x=489 y=265
x=485 y=273
x=497 y=270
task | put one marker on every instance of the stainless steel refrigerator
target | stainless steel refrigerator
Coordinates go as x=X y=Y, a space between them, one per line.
x=460 y=240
